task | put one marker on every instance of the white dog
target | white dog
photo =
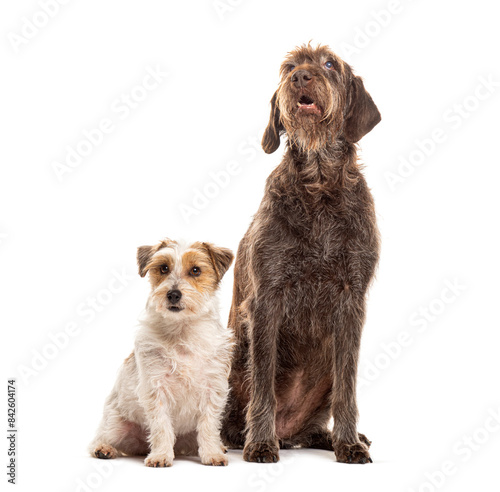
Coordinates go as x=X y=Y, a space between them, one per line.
x=173 y=388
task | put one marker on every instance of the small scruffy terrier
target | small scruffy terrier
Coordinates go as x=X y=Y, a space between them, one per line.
x=173 y=388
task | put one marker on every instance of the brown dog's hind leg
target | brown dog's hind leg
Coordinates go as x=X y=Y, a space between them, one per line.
x=233 y=420
x=323 y=440
x=233 y=425
x=364 y=439
x=317 y=439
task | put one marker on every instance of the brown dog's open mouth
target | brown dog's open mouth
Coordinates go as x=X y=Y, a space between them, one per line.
x=307 y=105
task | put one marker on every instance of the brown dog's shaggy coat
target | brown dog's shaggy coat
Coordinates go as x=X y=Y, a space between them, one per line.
x=303 y=269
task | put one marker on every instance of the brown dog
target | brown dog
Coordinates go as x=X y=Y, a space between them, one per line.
x=303 y=269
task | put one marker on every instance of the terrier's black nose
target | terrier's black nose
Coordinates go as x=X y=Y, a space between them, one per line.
x=174 y=296
x=301 y=78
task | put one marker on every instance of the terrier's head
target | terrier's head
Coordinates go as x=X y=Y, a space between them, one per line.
x=184 y=278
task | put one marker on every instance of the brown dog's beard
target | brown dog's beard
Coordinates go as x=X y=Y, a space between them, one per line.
x=311 y=131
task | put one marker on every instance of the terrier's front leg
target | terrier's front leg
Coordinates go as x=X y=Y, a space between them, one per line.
x=211 y=450
x=161 y=432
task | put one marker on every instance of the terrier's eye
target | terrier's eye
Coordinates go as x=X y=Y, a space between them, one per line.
x=329 y=65
x=195 y=271
x=164 y=269
x=289 y=68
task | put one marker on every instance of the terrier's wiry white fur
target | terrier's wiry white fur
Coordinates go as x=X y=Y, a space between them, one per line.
x=172 y=389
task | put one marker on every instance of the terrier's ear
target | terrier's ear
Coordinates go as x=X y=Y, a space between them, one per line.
x=221 y=259
x=144 y=254
x=271 y=138
x=362 y=114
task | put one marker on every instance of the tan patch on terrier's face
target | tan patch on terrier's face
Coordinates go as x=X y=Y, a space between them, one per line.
x=160 y=266
x=199 y=271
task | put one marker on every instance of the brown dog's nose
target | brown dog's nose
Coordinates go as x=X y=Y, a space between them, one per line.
x=301 y=78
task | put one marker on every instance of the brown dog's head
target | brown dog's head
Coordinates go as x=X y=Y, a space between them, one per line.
x=318 y=101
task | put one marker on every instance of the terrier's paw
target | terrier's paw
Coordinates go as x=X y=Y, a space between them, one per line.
x=158 y=460
x=364 y=439
x=352 y=453
x=105 y=452
x=215 y=460
x=261 y=452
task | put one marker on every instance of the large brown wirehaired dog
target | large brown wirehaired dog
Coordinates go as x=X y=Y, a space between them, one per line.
x=303 y=269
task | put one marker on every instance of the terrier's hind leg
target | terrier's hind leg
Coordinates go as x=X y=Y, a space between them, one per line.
x=117 y=436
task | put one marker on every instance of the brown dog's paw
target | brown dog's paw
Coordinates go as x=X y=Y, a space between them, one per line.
x=352 y=453
x=261 y=452
x=364 y=439
x=105 y=452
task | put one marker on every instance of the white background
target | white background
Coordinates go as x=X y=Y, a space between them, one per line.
x=61 y=240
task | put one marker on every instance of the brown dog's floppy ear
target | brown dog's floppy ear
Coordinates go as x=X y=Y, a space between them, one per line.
x=362 y=114
x=144 y=254
x=271 y=138
x=221 y=258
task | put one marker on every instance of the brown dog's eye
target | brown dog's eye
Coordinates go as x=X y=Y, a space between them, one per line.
x=289 y=68
x=195 y=272
x=164 y=269
x=329 y=65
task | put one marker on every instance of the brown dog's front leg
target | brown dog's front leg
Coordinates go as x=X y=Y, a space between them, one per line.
x=261 y=443
x=348 y=327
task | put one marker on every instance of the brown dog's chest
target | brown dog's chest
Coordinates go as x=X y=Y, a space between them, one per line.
x=308 y=247
x=331 y=253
